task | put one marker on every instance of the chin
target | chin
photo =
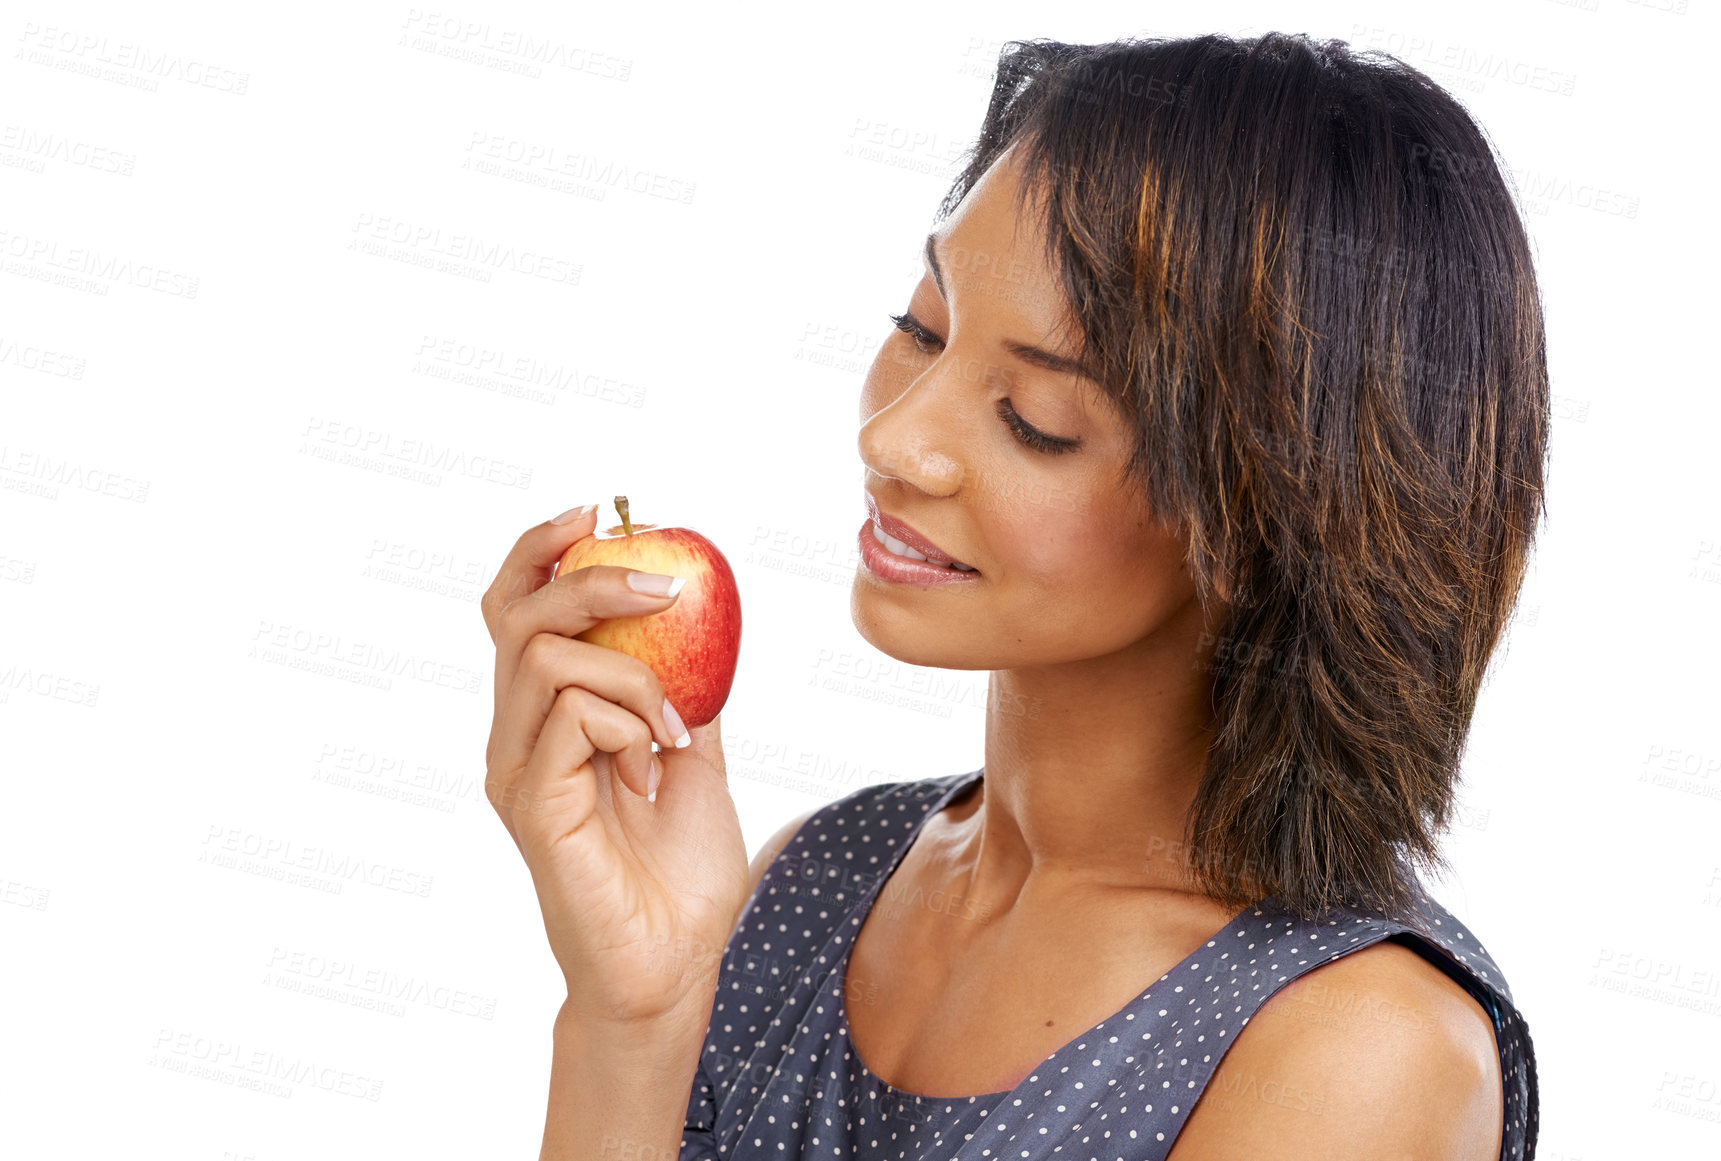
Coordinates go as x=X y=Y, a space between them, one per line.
x=906 y=633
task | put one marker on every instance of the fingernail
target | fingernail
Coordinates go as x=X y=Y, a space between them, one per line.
x=573 y=514
x=658 y=584
x=673 y=721
x=656 y=777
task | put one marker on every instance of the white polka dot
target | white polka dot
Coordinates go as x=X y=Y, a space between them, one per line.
x=786 y=1077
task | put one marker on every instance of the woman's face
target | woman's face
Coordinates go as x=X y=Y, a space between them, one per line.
x=1069 y=564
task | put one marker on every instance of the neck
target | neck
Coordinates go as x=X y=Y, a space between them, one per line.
x=1091 y=767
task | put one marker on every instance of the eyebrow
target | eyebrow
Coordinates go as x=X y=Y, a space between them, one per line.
x=1028 y=353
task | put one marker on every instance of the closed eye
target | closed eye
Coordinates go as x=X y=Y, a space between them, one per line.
x=928 y=343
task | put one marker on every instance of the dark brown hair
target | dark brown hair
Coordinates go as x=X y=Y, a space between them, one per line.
x=1312 y=296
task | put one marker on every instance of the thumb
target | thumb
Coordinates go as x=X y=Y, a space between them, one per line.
x=705 y=748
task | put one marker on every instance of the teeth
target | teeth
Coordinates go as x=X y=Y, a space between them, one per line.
x=896 y=546
x=902 y=549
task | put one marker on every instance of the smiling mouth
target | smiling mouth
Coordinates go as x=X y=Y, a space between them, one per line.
x=898 y=548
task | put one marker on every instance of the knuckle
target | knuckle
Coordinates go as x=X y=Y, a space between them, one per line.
x=570 y=702
x=538 y=654
x=508 y=615
x=490 y=608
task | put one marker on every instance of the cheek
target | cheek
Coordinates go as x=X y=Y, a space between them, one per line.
x=1082 y=555
x=1061 y=543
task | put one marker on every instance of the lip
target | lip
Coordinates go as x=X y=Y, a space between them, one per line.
x=882 y=563
x=897 y=530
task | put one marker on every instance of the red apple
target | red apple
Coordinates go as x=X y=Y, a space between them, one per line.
x=693 y=645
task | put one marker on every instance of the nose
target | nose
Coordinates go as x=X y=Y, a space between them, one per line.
x=918 y=437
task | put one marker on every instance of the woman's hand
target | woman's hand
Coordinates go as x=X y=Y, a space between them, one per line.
x=638 y=897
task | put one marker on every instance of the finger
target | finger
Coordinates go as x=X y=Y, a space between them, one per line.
x=605 y=765
x=530 y=562
x=580 y=724
x=551 y=663
x=501 y=790
x=707 y=743
x=516 y=796
x=568 y=606
x=706 y=747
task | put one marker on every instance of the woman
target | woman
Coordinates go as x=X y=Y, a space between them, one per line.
x=1215 y=432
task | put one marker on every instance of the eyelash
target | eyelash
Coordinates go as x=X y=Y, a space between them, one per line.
x=1032 y=437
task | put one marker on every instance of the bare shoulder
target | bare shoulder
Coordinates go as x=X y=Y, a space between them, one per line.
x=1377 y=1054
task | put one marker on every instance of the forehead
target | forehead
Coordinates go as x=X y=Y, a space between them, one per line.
x=992 y=249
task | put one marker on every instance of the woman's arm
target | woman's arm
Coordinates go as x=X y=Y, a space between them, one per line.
x=619 y=1092
x=624 y=1094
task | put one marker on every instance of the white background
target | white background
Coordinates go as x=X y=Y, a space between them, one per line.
x=220 y=631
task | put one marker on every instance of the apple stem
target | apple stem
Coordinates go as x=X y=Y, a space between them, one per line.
x=621 y=510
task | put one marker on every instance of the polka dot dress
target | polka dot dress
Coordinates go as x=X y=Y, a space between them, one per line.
x=780 y=1077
